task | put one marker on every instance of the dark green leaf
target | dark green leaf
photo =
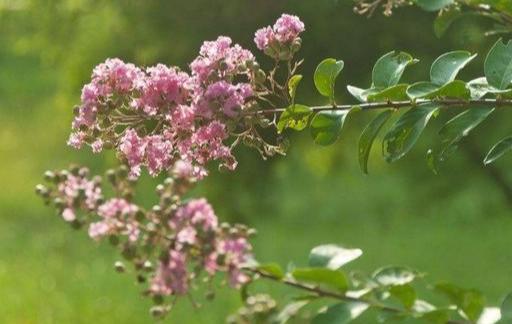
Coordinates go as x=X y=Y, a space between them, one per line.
x=389 y=69
x=394 y=275
x=368 y=137
x=498 y=150
x=498 y=65
x=293 y=83
x=295 y=117
x=325 y=76
x=460 y=126
x=326 y=126
x=433 y=5
x=321 y=276
x=471 y=302
x=405 y=294
x=394 y=93
x=456 y=89
x=445 y=20
x=438 y=316
x=446 y=67
x=406 y=131
x=272 y=269
x=340 y=313
x=332 y=256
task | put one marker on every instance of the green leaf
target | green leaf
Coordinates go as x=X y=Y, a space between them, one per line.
x=389 y=69
x=289 y=311
x=445 y=20
x=479 y=88
x=272 y=269
x=405 y=132
x=394 y=93
x=326 y=126
x=394 y=275
x=327 y=277
x=498 y=65
x=325 y=76
x=340 y=313
x=498 y=150
x=405 y=294
x=293 y=83
x=332 y=256
x=369 y=135
x=295 y=117
x=470 y=301
x=361 y=94
x=446 y=67
x=460 y=126
x=438 y=316
x=421 y=89
x=506 y=308
x=433 y=5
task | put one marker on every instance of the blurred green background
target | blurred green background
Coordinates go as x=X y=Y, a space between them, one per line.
x=455 y=226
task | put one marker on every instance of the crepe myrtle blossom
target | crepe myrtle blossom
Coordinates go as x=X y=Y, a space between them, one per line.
x=159 y=115
x=282 y=40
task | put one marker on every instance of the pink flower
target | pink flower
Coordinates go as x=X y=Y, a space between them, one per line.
x=288 y=27
x=76 y=139
x=171 y=277
x=284 y=32
x=158 y=153
x=116 y=76
x=198 y=213
x=133 y=147
x=117 y=218
x=263 y=37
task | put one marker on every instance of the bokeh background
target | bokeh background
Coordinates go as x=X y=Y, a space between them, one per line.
x=455 y=226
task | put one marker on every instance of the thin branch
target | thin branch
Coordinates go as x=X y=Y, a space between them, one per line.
x=329 y=294
x=402 y=104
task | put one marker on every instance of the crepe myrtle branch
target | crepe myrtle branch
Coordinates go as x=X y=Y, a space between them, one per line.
x=329 y=294
x=448 y=103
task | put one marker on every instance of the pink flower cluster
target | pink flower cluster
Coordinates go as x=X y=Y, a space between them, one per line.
x=190 y=111
x=76 y=191
x=118 y=218
x=278 y=41
x=199 y=240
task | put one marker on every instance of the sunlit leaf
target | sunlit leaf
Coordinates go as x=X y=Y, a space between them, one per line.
x=498 y=150
x=394 y=275
x=332 y=256
x=272 y=269
x=295 y=117
x=369 y=135
x=293 y=83
x=331 y=278
x=289 y=311
x=394 y=93
x=325 y=76
x=389 y=69
x=490 y=315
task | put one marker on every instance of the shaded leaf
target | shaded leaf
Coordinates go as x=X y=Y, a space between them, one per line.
x=295 y=117
x=506 y=308
x=368 y=137
x=394 y=275
x=405 y=294
x=389 y=69
x=438 y=316
x=322 y=276
x=433 y=5
x=289 y=311
x=340 y=313
x=445 y=20
x=325 y=76
x=498 y=65
x=446 y=67
x=405 y=132
x=332 y=256
x=326 y=126
x=470 y=301
x=421 y=89
x=498 y=150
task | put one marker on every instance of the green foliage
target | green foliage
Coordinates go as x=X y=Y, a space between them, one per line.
x=498 y=150
x=325 y=76
x=469 y=301
x=295 y=117
x=498 y=65
x=369 y=135
x=434 y=5
x=394 y=276
x=332 y=256
x=334 y=279
x=341 y=313
x=326 y=126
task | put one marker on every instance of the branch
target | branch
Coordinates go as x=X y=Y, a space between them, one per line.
x=447 y=103
x=329 y=294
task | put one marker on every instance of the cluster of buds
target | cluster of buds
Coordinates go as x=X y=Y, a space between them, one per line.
x=174 y=246
x=260 y=308
x=368 y=7
x=159 y=115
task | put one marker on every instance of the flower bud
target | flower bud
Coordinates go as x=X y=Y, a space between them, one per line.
x=42 y=191
x=49 y=176
x=119 y=267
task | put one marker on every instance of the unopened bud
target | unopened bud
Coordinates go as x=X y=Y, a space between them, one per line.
x=49 y=176
x=119 y=267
